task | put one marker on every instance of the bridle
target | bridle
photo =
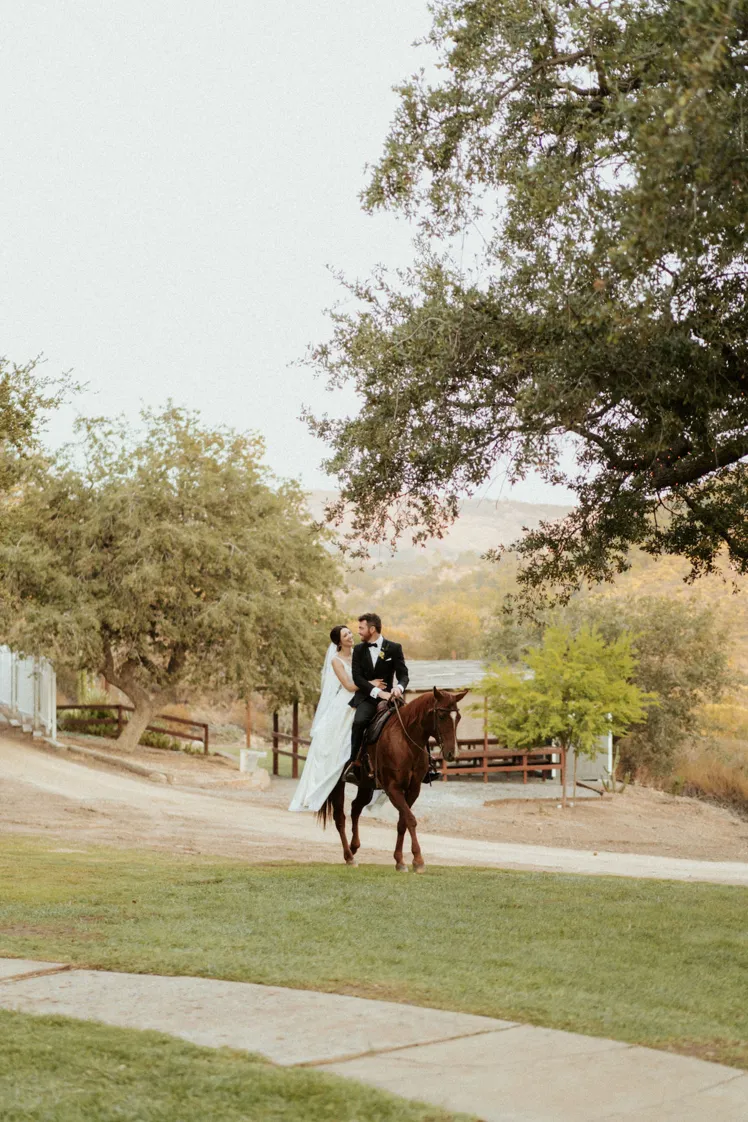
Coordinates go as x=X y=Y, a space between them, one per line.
x=436 y=713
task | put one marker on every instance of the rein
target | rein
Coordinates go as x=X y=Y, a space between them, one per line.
x=437 y=731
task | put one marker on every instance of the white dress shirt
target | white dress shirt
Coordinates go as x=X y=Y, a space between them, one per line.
x=374 y=651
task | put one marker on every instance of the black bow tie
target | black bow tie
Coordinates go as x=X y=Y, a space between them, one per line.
x=371 y=644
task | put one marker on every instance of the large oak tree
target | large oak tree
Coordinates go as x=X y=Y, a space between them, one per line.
x=170 y=561
x=600 y=149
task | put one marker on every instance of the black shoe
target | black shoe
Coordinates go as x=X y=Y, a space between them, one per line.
x=352 y=772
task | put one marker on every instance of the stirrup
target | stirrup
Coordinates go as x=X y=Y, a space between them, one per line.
x=354 y=771
x=432 y=772
x=365 y=758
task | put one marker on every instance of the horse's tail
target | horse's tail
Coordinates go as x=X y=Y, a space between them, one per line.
x=325 y=811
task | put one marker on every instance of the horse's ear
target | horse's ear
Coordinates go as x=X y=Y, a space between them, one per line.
x=436 y=692
x=459 y=696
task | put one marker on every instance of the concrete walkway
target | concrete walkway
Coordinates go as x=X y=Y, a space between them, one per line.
x=254 y=826
x=497 y=1070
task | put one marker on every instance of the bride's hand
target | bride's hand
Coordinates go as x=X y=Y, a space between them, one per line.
x=379 y=683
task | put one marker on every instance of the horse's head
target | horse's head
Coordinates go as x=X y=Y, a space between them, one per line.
x=446 y=717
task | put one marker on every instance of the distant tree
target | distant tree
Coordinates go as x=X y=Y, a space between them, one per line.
x=682 y=660
x=168 y=560
x=451 y=630
x=508 y=637
x=599 y=149
x=579 y=688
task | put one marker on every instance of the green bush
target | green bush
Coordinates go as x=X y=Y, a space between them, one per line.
x=102 y=722
x=94 y=722
x=162 y=740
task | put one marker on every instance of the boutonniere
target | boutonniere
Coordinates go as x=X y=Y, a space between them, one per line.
x=381 y=654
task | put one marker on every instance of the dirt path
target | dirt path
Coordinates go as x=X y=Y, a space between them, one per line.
x=51 y=795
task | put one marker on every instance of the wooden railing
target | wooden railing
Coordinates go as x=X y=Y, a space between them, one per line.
x=119 y=720
x=478 y=757
x=293 y=738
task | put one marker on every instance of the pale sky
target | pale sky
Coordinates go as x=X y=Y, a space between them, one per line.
x=175 y=178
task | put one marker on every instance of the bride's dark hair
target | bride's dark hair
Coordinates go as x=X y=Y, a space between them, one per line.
x=335 y=633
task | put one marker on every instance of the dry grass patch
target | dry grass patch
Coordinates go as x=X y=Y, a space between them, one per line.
x=716 y=767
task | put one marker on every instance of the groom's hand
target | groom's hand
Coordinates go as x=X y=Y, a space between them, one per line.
x=384 y=695
x=397 y=691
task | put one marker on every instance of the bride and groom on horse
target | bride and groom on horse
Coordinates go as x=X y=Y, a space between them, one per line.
x=355 y=682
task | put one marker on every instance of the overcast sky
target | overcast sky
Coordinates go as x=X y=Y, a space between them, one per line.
x=176 y=177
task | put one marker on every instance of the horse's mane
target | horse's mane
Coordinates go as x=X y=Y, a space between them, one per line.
x=419 y=705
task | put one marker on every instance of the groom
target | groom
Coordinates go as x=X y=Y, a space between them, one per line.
x=379 y=673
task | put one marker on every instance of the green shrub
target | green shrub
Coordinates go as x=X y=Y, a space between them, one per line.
x=162 y=740
x=102 y=722
x=94 y=722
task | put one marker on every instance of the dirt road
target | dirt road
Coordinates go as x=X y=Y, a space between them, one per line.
x=51 y=795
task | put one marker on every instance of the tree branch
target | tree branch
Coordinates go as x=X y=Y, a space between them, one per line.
x=712 y=519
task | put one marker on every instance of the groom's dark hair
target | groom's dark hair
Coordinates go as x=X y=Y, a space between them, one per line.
x=373 y=620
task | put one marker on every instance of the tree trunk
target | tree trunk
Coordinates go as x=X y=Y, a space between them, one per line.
x=574 y=785
x=145 y=710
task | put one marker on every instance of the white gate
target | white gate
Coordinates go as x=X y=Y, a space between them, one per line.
x=28 y=691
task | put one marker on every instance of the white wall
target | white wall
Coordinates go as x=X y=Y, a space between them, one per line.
x=28 y=691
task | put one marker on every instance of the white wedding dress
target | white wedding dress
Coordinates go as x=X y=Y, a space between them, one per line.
x=331 y=738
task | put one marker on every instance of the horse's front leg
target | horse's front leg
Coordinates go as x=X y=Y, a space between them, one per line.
x=338 y=813
x=362 y=799
x=405 y=822
x=412 y=794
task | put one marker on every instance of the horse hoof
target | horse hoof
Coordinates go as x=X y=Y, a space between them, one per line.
x=419 y=868
x=401 y=869
x=352 y=862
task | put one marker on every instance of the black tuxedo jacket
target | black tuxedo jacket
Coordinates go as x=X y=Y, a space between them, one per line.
x=390 y=667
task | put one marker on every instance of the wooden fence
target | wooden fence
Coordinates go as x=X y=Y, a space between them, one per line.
x=291 y=738
x=479 y=757
x=118 y=720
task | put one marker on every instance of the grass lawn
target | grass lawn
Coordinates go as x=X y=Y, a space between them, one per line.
x=651 y=962
x=72 y=1071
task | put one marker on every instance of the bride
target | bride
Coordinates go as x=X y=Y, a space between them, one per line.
x=331 y=730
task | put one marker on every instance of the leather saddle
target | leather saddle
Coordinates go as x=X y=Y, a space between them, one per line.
x=385 y=710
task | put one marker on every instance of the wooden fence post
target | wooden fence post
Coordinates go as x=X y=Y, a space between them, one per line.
x=275 y=742
x=248 y=723
x=563 y=777
x=295 y=735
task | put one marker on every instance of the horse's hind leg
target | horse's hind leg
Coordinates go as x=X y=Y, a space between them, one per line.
x=400 y=865
x=362 y=799
x=338 y=812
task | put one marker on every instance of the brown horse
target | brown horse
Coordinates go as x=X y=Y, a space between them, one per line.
x=399 y=760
